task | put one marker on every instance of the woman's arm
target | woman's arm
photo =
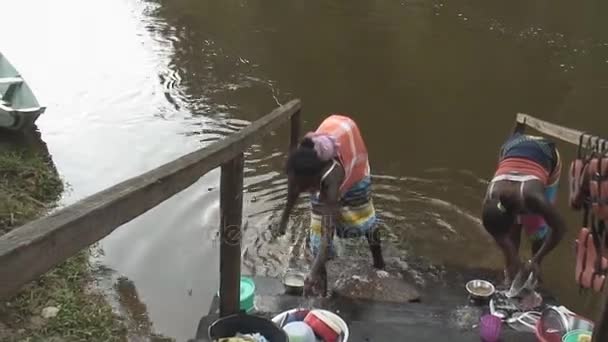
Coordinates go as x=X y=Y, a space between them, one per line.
x=537 y=203
x=330 y=197
x=293 y=192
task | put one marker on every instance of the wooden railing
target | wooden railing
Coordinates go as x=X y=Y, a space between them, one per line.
x=566 y=134
x=34 y=248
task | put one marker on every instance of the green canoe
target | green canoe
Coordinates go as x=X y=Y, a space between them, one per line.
x=19 y=108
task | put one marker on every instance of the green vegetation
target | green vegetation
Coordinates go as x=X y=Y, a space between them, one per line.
x=83 y=315
x=29 y=188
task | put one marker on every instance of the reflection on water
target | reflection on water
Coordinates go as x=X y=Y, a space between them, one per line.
x=434 y=85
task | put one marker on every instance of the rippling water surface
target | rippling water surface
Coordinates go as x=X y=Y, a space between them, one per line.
x=434 y=85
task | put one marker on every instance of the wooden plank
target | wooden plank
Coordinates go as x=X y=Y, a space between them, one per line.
x=569 y=135
x=32 y=249
x=231 y=211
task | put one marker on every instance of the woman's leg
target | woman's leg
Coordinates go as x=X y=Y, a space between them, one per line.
x=536 y=245
x=358 y=217
x=323 y=275
x=375 y=247
x=511 y=269
x=515 y=235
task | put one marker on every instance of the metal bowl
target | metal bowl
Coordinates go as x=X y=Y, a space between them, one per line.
x=480 y=289
x=293 y=281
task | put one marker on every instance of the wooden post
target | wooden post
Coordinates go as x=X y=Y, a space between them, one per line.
x=231 y=212
x=295 y=123
x=600 y=332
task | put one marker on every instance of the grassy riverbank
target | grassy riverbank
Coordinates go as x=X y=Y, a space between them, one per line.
x=29 y=188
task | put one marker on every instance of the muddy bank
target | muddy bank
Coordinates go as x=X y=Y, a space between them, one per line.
x=121 y=293
x=62 y=304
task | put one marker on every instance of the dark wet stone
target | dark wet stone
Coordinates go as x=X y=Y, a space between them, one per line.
x=357 y=279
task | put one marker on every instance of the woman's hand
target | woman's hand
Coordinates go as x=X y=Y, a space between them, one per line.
x=533 y=267
x=311 y=284
x=278 y=229
x=511 y=271
x=315 y=284
x=527 y=268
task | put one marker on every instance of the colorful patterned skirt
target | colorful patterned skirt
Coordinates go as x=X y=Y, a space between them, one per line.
x=356 y=218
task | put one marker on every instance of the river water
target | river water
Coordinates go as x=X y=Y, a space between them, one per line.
x=433 y=84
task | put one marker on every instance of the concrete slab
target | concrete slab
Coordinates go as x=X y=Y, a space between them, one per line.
x=453 y=320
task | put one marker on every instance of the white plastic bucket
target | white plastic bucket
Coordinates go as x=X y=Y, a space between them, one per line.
x=334 y=318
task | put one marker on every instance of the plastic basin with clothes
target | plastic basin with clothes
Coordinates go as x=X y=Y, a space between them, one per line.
x=334 y=318
x=229 y=326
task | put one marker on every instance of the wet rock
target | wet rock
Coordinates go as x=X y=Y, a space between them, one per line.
x=50 y=312
x=356 y=278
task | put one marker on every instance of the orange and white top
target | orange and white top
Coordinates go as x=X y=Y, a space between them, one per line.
x=352 y=152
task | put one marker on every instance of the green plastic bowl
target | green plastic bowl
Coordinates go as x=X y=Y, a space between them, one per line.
x=247 y=294
x=573 y=335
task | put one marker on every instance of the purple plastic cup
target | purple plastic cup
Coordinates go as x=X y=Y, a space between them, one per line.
x=490 y=327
